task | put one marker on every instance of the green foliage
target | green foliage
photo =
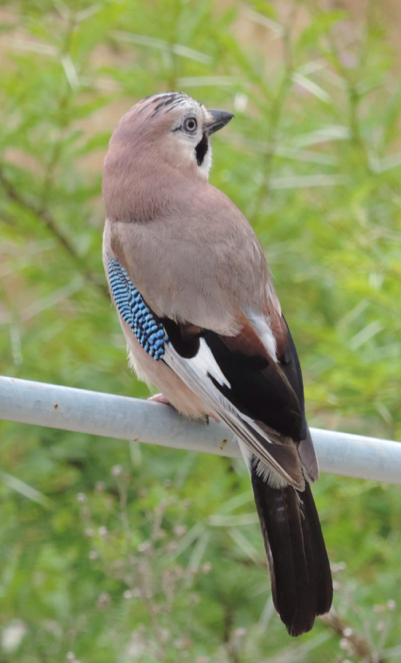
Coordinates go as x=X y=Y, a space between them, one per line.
x=161 y=558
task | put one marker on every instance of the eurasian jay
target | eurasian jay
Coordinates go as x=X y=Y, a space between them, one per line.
x=203 y=324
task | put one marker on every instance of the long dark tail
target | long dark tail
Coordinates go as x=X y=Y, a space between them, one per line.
x=299 y=567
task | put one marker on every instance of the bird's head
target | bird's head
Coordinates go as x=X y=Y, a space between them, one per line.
x=173 y=129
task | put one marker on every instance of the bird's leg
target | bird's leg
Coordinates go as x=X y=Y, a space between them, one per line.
x=212 y=416
x=159 y=398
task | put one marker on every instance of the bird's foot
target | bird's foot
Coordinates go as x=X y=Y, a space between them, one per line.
x=159 y=398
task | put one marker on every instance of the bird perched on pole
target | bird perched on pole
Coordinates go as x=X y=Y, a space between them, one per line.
x=204 y=325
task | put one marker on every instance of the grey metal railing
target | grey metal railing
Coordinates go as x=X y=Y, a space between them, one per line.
x=132 y=419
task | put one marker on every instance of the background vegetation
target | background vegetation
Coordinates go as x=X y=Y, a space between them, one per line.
x=117 y=552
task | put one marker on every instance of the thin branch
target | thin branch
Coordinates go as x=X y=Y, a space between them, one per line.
x=40 y=210
x=62 y=105
x=354 y=96
x=49 y=222
x=353 y=643
x=276 y=108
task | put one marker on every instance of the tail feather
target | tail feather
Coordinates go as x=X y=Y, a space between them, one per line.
x=298 y=562
x=319 y=560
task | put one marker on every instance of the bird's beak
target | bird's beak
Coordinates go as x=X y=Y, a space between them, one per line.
x=219 y=120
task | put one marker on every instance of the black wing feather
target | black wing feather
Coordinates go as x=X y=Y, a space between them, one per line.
x=257 y=388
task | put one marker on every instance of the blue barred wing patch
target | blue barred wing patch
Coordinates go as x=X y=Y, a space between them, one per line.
x=133 y=309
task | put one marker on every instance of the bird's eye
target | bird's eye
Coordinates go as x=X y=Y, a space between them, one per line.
x=190 y=125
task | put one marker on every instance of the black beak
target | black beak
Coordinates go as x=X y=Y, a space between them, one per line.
x=220 y=119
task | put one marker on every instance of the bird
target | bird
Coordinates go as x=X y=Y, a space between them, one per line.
x=203 y=324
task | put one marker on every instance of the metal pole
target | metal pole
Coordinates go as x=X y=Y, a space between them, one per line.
x=132 y=419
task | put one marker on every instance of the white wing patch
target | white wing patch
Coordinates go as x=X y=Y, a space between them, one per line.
x=205 y=364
